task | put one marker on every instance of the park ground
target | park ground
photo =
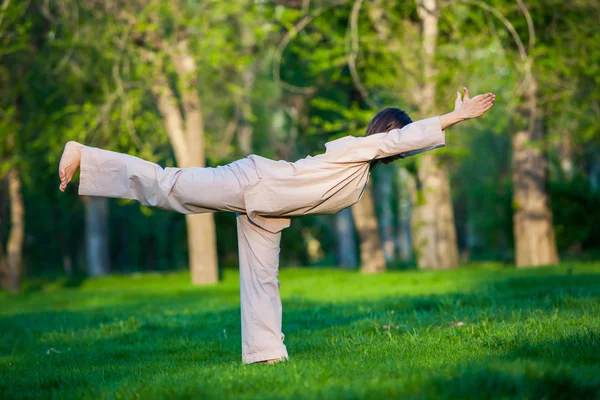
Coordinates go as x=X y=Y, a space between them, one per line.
x=485 y=331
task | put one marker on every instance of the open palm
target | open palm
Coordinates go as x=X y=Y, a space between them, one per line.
x=473 y=107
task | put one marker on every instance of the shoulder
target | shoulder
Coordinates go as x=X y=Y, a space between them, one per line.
x=340 y=142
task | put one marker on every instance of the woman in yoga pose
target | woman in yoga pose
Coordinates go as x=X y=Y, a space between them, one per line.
x=265 y=194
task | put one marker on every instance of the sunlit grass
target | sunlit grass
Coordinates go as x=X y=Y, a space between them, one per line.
x=479 y=332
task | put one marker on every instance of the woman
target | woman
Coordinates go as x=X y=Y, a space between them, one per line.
x=265 y=194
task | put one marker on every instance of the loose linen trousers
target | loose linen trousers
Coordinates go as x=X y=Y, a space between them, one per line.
x=198 y=190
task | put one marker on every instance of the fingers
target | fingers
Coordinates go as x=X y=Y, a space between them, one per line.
x=458 y=102
x=466 y=93
x=487 y=107
x=482 y=98
x=487 y=101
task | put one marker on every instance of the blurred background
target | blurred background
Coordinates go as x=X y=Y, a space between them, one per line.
x=182 y=82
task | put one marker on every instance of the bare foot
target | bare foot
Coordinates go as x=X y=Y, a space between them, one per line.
x=271 y=361
x=69 y=162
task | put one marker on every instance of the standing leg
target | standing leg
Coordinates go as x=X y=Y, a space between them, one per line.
x=262 y=338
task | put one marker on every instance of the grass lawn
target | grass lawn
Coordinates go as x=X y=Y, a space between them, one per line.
x=477 y=332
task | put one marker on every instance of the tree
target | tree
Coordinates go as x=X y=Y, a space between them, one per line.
x=345 y=244
x=186 y=135
x=14 y=37
x=383 y=195
x=433 y=217
x=372 y=258
x=157 y=35
x=532 y=218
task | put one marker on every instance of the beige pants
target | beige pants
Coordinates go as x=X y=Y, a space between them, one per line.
x=198 y=190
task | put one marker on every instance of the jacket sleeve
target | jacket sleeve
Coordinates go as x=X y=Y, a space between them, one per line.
x=412 y=139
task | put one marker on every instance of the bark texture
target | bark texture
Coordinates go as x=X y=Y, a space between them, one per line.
x=96 y=235
x=407 y=195
x=244 y=99
x=345 y=242
x=565 y=156
x=535 y=244
x=434 y=232
x=14 y=245
x=372 y=259
x=384 y=191
x=594 y=172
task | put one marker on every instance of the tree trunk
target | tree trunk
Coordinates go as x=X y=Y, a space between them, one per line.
x=407 y=195
x=345 y=242
x=565 y=156
x=4 y=203
x=532 y=219
x=383 y=191
x=202 y=244
x=202 y=236
x=14 y=246
x=433 y=220
x=246 y=126
x=3 y=277
x=187 y=138
x=96 y=235
x=372 y=259
x=594 y=172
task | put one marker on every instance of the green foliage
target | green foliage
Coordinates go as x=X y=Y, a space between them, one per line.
x=484 y=332
x=575 y=219
x=79 y=71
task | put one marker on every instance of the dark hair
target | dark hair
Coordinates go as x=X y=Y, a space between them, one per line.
x=385 y=121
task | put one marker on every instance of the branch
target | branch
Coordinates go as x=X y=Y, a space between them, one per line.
x=354 y=53
x=5 y=4
x=305 y=6
x=167 y=106
x=509 y=26
x=300 y=25
x=228 y=134
x=530 y=25
x=126 y=107
x=121 y=89
x=528 y=83
x=279 y=53
x=75 y=38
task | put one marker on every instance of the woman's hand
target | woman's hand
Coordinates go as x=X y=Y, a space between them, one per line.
x=467 y=107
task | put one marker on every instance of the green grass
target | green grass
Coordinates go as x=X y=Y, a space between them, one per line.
x=478 y=332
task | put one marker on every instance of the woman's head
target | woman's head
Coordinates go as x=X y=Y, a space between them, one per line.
x=385 y=121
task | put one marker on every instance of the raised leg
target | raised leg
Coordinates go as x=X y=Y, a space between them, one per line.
x=262 y=338
x=186 y=190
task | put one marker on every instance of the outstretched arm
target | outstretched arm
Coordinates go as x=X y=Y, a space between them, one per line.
x=423 y=135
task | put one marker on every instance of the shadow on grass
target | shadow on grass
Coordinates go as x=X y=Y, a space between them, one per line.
x=35 y=285
x=564 y=368
x=174 y=331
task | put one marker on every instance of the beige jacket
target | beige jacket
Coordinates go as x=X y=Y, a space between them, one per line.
x=332 y=181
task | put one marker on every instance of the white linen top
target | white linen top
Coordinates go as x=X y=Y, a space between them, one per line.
x=332 y=181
